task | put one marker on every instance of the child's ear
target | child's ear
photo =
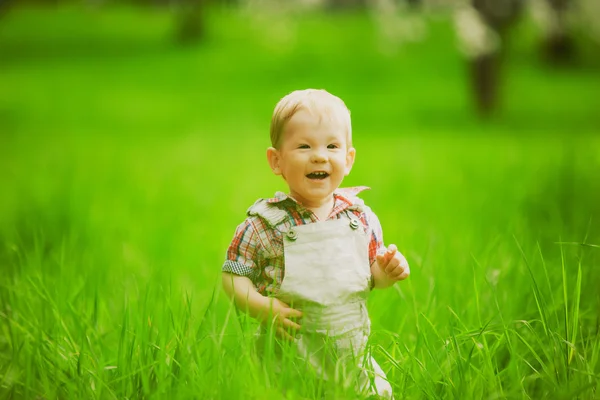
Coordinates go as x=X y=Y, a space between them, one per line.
x=350 y=156
x=273 y=158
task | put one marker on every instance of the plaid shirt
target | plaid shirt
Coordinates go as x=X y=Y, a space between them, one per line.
x=256 y=250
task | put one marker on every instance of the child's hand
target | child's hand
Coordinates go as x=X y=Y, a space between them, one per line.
x=393 y=263
x=281 y=319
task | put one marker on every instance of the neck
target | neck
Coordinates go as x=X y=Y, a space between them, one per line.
x=321 y=209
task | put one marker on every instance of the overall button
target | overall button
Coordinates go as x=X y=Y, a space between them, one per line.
x=354 y=224
x=292 y=235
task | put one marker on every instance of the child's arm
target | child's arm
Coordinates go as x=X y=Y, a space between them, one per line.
x=266 y=310
x=389 y=268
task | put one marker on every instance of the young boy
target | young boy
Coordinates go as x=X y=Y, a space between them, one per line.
x=303 y=263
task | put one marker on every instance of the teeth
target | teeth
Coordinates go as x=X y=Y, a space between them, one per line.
x=318 y=175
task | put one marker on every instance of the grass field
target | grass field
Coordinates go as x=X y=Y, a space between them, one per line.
x=127 y=162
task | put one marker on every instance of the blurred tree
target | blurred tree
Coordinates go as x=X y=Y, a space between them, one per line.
x=397 y=22
x=558 y=46
x=482 y=28
x=4 y=7
x=190 y=20
x=337 y=5
x=414 y=3
x=499 y=15
x=589 y=17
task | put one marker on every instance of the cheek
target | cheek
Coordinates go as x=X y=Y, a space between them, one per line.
x=342 y=163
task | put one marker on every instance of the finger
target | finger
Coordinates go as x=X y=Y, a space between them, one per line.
x=403 y=261
x=292 y=313
x=385 y=258
x=397 y=273
x=403 y=276
x=392 y=249
x=382 y=257
x=406 y=272
x=392 y=266
x=390 y=253
x=284 y=335
x=382 y=262
x=289 y=324
x=400 y=273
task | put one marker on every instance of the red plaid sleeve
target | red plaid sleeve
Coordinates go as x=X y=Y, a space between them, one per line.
x=242 y=253
x=376 y=245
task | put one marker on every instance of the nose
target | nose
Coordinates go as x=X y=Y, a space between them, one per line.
x=318 y=156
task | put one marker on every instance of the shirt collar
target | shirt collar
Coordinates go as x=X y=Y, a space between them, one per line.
x=341 y=196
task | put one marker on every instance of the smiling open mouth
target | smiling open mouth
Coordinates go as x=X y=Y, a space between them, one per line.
x=317 y=175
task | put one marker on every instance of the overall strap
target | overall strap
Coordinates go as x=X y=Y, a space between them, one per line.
x=272 y=214
x=358 y=205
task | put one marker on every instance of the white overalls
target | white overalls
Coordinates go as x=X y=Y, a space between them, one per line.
x=326 y=276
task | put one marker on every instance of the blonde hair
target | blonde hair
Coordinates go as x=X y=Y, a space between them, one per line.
x=317 y=102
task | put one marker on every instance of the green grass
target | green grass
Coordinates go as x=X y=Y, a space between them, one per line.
x=127 y=162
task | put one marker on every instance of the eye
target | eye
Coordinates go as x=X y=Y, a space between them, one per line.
x=333 y=146
x=303 y=146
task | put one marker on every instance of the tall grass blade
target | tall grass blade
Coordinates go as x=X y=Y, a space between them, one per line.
x=536 y=291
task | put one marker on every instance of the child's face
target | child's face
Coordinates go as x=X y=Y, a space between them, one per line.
x=313 y=158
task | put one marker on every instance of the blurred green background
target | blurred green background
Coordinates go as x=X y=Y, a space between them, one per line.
x=133 y=138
